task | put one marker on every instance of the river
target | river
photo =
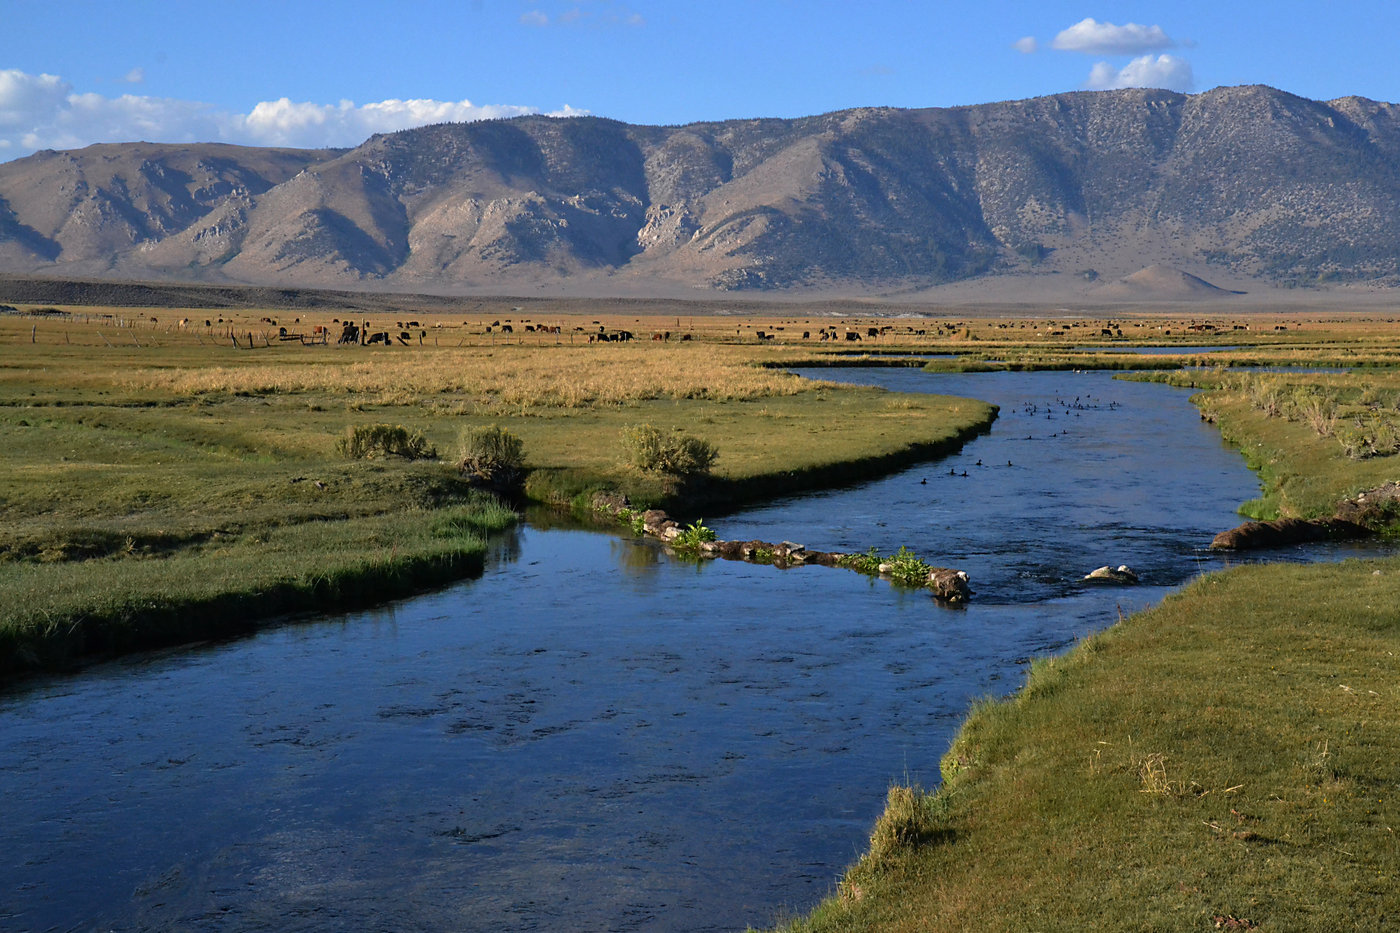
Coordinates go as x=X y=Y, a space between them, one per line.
x=595 y=735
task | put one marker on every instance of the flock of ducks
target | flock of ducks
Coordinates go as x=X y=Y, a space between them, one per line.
x=1065 y=408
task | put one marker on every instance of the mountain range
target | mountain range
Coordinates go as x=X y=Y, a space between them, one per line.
x=1249 y=187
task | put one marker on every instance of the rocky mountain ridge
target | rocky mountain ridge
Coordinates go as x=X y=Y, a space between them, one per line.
x=1247 y=184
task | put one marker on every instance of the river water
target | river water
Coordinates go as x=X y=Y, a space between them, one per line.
x=595 y=735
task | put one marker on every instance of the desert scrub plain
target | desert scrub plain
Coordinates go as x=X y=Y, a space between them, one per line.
x=161 y=484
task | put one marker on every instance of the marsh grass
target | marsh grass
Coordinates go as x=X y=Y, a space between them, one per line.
x=507 y=380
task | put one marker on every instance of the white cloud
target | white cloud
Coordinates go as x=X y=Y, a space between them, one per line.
x=1165 y=71
x=1095 y=38
x=43 y=112
x=285 y=123
x=26 y=99
x=598 y=14
x=134 y=76
x=1025 y=45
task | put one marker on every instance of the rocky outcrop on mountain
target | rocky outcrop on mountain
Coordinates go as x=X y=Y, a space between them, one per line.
x=1147 y=186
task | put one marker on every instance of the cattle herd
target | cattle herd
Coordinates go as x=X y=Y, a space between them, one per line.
x=405 y=333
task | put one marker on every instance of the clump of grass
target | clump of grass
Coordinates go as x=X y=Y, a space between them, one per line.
x=483 y=514
x=912 y=816
x=491 y=455
x=363 y=441
x=649 y=449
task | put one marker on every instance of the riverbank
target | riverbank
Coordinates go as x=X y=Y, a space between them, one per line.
x=161 y=487
x=1222 y=761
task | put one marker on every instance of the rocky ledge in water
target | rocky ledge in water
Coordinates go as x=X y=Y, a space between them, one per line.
x=946 y=583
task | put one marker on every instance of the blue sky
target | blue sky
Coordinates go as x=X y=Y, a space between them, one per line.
x=322 y=73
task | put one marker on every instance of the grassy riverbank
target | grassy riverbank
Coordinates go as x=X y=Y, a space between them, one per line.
x=1313 y=438
x=160 y=485
x=1224 y=761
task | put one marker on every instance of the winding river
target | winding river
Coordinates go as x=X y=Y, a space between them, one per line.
x=594 y=735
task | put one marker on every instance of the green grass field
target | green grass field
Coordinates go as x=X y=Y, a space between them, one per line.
x=170 y=487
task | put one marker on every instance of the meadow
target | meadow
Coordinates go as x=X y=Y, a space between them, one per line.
x=1224 y=761
x=167 y=480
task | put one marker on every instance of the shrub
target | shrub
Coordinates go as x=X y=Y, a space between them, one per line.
x=648 y=449
x=363 y=441
x=492 y=455
x=1319 y=412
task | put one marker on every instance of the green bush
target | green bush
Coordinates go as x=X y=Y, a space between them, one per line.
x=363 y=441
x=492 y=455
x=650 y=450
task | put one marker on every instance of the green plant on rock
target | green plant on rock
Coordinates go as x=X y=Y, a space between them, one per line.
x=364 y=441
x=491 y=456
x=869 y=562
x=649 y=449
x=693 y=536
x=632 y=519
x=903 y=566
x=907 y=568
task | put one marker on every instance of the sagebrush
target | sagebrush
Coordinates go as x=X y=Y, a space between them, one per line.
x=491 y=455
x=362 y=441
x=650 y=449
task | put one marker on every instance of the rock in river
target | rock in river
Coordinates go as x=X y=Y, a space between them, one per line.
x=1110 y=575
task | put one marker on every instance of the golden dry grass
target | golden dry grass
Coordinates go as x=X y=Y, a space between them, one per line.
x=507 y=380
